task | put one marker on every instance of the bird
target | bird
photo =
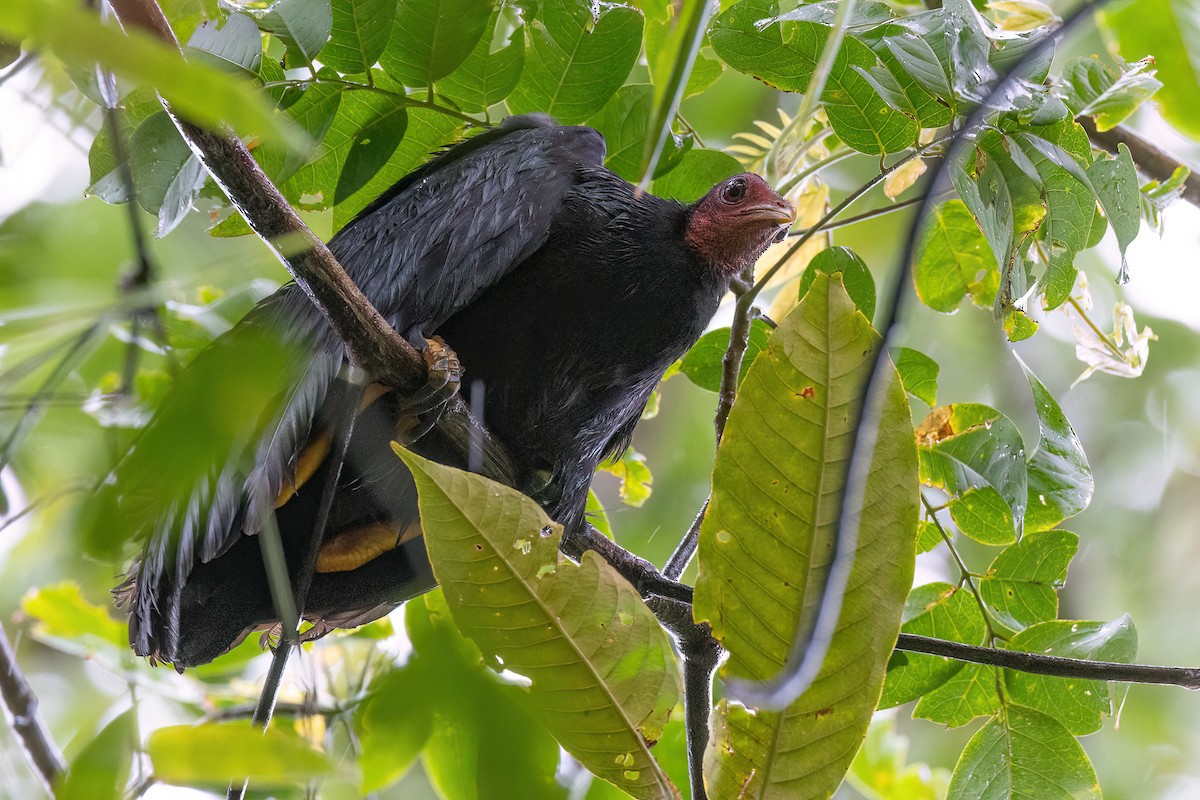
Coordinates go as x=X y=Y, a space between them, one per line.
x=557 y=294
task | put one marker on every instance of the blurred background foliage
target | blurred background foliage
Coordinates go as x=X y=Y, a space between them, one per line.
x=63 y=257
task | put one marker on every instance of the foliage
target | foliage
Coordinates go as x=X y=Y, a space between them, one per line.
x=523 y=651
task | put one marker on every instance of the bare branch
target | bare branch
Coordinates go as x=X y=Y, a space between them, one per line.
x=1151 y=160
x=1187 y=677
x=22 y=703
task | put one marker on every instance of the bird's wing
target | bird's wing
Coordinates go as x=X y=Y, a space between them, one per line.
x=462 y=222
x=420 y=252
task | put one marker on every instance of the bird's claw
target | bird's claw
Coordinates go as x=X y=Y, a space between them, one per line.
x=422 y=409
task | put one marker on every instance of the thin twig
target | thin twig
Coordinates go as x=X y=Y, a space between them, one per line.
x=1151 y=160
x=682 y=556
x=22 y=704
x=1058 y=666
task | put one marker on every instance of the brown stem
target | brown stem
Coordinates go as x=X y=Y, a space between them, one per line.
x=22 y=703
x=1038 y=664
x=1151 y=160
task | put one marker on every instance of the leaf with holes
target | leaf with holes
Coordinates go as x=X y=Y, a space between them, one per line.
x=767 y=537
x=603 y=671
x=975 y=455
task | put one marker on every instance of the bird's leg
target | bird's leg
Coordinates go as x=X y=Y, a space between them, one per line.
x=420 y=411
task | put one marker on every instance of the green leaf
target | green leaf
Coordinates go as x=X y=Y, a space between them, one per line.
x=704 y=363
x=953 y=260
x=635 y=476
x=1116 y=184
x=368 y=124
x=1108 y=95
x=274 y=758
x=394 y=724
x=1059 y=278
x=975 y=455
x=1070 y=203
x=1167 y=30
x=970 y=693
x=990 y=202
x=64 y=615
x=1017 y=325
x=304 y=26
x=855 y=277
x=918 y=372
x=166 y=173
x=313 y=112
x=486 y=77
x=705 y=69
x=359 y=34
x=1060 y=480
x=562 y=625
x=968 y=49
x=199 y=92
x=1021 y=586
x=697 y=172
x=108 y=181
x=576 y=62
x=929 y=536
x=624 y=121
x=235 y=45
x=596 y=515
x=426 y=131
x=1080 y=705
x=765 y=540
x=432 y=38
x=1023 y=753
x=101 y=769
x=942 y=611
x=784 y=54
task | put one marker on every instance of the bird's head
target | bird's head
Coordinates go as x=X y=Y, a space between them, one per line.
x=736 y=221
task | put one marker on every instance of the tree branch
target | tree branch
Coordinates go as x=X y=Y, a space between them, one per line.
x=1187 y=677
x=1151 y=160
x=22 y=703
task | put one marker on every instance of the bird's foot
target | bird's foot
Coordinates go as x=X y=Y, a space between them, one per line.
x=421 y=410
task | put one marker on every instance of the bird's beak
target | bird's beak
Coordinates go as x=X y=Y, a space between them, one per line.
x=779 y=212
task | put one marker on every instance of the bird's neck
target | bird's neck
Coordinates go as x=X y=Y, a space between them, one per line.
x=724 y=254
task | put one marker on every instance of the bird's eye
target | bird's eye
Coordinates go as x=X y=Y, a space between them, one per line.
x=734 y=191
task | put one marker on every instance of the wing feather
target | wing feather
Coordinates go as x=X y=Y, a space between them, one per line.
x=420 y=252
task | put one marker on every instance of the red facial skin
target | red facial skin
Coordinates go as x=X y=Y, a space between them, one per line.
x=736 y=221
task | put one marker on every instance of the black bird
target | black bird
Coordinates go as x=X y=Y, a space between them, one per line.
x=565 y=293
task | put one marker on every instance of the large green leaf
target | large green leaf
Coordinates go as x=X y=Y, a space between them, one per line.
x=235 y=45
x=101 y=769
x=1078 y=704
x=273 y=758
x=767 y=540
x=303 y=26
x=1167 y=30
x=359 y=34
x=1022 y=753
x=698 y=171
x=167 y=175
x=1060 y=480
x=975 y=454
x=200 y=92
x=603 y=671
x=970 y=693
x=432 y=37
x=576 y=62
x=486 y=77
x=1116 y=184
x=784 y=54
x=425 y=132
